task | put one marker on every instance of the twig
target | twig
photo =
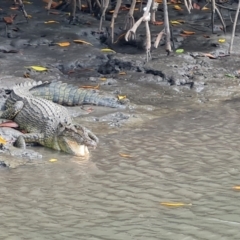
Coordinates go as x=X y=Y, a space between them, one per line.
x=104 y=7
x=136 y=25
x=21 y=6
x=146 y=19
x=166 y=27
x=159 y=37
x=114 y=16
x=148 y=40
x=234 y=28
x=213 y=13
x=187 y=6
x=130 y=19
x=221 y=19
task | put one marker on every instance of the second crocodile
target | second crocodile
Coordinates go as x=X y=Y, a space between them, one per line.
x=70 y=95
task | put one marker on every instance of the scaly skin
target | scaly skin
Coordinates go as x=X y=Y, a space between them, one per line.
x=67 y=94
x=46 y=123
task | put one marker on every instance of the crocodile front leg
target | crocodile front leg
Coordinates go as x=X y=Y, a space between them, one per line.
x=11 y=112
x=28 y=138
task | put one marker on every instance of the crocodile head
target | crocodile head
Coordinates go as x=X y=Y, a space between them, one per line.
x=76 y=140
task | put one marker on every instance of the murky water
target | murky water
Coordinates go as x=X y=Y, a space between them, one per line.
x=189 y=157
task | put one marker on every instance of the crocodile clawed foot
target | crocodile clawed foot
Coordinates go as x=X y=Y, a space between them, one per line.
x=20 y=142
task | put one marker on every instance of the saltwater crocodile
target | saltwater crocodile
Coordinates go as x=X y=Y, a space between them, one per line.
x=70 y=95
x=45 y=122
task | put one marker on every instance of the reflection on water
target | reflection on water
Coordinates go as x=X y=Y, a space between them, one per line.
x=191 y=158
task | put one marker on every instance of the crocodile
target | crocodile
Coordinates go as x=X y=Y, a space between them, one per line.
x=70 y=95
x=45 y=122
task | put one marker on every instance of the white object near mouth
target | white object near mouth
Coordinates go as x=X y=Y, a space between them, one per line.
x=82 y=151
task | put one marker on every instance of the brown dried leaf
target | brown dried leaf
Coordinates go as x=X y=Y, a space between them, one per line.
x=125 y=155
x=175 y=204
x=158 y=23
x=63 y=44
x=82 y=42
x=51 y=21
x=188 y=32
x=177 y=7
x=91 y=87
x=209 y=55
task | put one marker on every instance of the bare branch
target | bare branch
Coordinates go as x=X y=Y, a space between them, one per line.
x=234 y=28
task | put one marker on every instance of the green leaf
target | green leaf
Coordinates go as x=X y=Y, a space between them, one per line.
x=180 y=50
x=229 y=75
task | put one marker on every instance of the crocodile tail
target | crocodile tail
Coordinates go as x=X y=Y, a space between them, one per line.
x=69 y=95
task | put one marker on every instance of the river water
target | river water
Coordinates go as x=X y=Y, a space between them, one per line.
x=191 y=158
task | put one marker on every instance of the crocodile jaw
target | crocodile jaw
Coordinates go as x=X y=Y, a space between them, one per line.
x=74 y=148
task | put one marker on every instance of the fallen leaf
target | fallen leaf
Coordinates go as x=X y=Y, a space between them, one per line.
x=188 y=32
x=125 y=155
x=209 y=55
x=29 y=16
x=175 y=22
x=63 y=44
x=84 y=6
x=38 y=68
x=92 y=87
x=175 y=204
x=236 y=187
x=14 y=8
x=9 y=20
x=229 y=75
x=157 y=23
x=26 y=2
x=121 y=73
x=124 y=8
x=2 y=140
x=177 y=7
x=120 y=97
x=107 y=50
x=53 y=160
x=82 y=42
x=205 y=8
x=222 y=40
x=196 y=6
x=175 y=1
x=26 y=75
x=103 y=79
x=180 y=50
x=180 y=21
x=51 y=22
